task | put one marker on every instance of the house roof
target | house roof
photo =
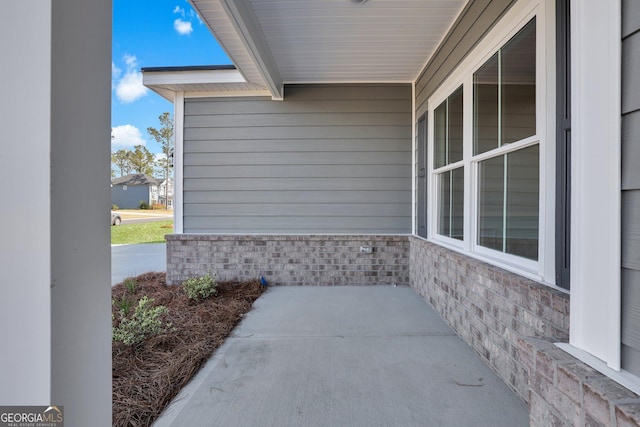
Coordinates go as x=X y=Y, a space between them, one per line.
x=333 y=41
x=210 y=79
x=135 y=179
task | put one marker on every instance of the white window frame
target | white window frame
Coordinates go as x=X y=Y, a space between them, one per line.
x=435 y=173
x=514 y=20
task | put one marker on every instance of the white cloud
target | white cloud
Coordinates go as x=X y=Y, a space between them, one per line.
x=198 y=17
x=129 y=88
x=183 y=28
x=130 y=60
x=126 y=136
x=179 y=10
x=115 y=71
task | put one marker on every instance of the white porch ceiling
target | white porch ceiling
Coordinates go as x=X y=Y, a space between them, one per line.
x=276 y=42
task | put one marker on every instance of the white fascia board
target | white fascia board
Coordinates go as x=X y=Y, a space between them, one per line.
x=191 y=77
x=248 y=29
x=228 y=94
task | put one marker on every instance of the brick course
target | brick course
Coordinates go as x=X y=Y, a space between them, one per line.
x=290 y=259
x=571 y=393
x=488 y=307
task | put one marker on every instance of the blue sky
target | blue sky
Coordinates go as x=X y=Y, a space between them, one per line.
x=152 y=33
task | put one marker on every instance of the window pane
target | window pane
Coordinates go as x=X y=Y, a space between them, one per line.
x=522 y=202
x=448 y=130
x=451 y=204
x=457 y=203
x=444 y=204
x=491 y=211
x=509 y=208
x=485 y=109
x=455 y=126
x=440 y=137
x=518 y=85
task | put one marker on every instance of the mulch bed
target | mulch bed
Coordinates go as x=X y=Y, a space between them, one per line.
x=146 y=378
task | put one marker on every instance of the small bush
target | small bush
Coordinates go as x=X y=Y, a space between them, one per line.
x=200 y=288
x=157 y=206
x=143 y=205
x=114 y=207
x=130 y=284
x=146 y=321
x=123 y=305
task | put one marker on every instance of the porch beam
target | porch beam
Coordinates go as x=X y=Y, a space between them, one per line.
x=248 y=28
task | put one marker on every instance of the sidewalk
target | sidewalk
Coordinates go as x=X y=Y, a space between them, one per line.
x=124 y=214
x=344 y=356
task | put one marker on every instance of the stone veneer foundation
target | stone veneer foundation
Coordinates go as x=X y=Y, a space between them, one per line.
x=511 y=322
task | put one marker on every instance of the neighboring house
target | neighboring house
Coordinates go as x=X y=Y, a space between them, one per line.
x=127 y=192
x=166 y=191
x=474 y=145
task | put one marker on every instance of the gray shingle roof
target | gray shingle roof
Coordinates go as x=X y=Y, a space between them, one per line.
x=135 y=179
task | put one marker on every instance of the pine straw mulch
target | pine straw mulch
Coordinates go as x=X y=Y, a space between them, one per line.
x=148 y=377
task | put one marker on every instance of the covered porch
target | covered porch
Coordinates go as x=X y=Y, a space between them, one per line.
x=428 y=144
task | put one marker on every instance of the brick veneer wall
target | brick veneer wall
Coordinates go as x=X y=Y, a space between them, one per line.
x=565 y=392
x=488 y=307
x=290 y=259
x=511 y=322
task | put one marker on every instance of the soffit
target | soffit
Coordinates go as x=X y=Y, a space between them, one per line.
x=222 y=27
x=214 y=82
x=334 y=41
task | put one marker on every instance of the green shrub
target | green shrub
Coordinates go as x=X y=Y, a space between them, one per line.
x=143 y=205
x=123 y=305
x=199 y=288
x=130 y=284
x=114 y=207
x=146 y=321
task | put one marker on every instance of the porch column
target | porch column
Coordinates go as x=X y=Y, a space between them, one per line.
x=595 y=201
x=55 y=309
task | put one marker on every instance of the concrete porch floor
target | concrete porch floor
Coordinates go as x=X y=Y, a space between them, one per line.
x=344 y=356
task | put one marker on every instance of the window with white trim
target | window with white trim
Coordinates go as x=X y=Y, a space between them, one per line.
x=504 y=113
x=485 y=144
x=449 y=172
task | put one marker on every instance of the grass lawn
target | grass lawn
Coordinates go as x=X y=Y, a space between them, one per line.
x=150 y=232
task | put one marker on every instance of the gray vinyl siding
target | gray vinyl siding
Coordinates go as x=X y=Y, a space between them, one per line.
x=131 y=197
x=327 y=159
x=631 y=186
x=477 y=18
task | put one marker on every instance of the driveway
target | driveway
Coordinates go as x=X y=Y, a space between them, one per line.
x=132 y=260
x=344 y=356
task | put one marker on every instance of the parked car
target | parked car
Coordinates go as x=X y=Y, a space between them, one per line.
x=115 y=218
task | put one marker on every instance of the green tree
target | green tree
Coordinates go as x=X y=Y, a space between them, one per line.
x=121 y=162
x=164 y=137
x=142 y=160
x=161 y=166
